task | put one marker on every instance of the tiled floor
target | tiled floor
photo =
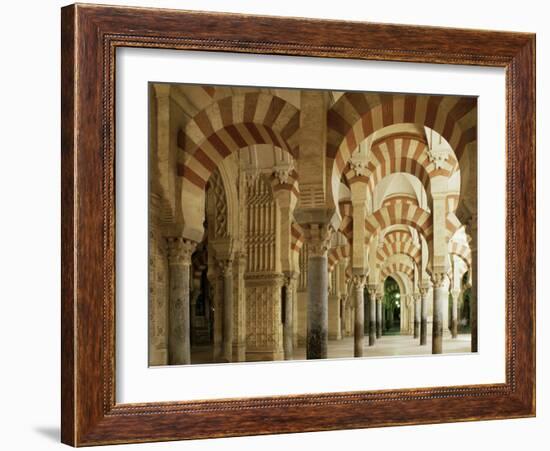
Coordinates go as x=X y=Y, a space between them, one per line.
x=387 y=345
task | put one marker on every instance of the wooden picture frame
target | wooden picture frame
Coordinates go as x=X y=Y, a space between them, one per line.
x=90 y=36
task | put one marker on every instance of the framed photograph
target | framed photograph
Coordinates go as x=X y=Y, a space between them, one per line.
x=279 y=225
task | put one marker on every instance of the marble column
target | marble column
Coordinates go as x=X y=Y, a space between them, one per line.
x=372 y=314
x=455 y=294
x=417 y=314
x=317 y=307
x=472 y=232
x=226 y=267
x=358 y=282
x=440 y=302
x=366 y=311
x=424 y=315
x=179 y=252
x=343 y=308
x=379 y=298
x=318 y=240
x=288 y=320
x=239 y=305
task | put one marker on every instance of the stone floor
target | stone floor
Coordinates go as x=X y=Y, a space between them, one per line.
x=387 y=345
x=390 y=345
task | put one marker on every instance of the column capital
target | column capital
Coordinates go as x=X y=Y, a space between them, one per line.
x=372 y=289
x=225 y=266
x=179 y=250
x=424 y=287
x=359 y=281
x=290 y=277
x=318 y=238
x=438 y=279
x=283 y=172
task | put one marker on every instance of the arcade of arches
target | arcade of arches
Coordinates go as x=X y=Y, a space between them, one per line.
x=291 y=224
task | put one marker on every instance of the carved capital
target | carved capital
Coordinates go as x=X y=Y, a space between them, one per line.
x=438 y=279
x=438 y=156
x=179 y=250
x=290 y=278
x=372 y=289
x=424 y=287
x=318 y=238
x=359 y=281
x=358 y=167
x=226 y=267
x=282 y=172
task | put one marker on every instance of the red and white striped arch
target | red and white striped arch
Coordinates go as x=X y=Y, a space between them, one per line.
x=356 y=116
x=398 y=242
x=403 y=213
x=408 y=198
x=346 y=226
x=233 y=123
x=462 y=251
x=407 y=154
x=336 y=254
x=397 y=267
x=297 y=238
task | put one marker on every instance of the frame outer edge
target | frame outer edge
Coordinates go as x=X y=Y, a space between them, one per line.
x=68 y=225
x=84 y=418
x=525 y=63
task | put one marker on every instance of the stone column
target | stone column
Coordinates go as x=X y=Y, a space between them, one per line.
x=440 y=302
x=372 y=314
x=358 y=282
x=318 y=240
x=226 y=269
x=343 y=308
x=472 y=232
x=317 y=307
x=366 y=311
x=417 y=314
x=288 y=325
x=239 y=341
x=179 y=336
x=455 y=294
x=424 y=314
x=379 y=298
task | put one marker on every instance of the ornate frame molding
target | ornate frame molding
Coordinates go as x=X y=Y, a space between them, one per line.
x=90 y=36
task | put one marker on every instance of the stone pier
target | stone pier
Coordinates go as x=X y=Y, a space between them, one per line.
x=179 y=335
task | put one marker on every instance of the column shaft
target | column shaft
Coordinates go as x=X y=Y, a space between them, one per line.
x=228 y=312
x=417 y=315
x=440 y=302
x=179 y=334
x=454 y=314
x=473 y=298
x=372 y=316
x=317 y=307
x=366 y=311
x=288 y=326
x=424 y=317
x=378 y=316
x=359 y=329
